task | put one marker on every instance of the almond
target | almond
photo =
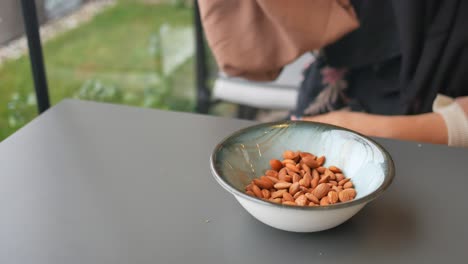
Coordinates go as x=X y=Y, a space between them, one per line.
x=264 y=184
x=282 y=173
x=312 y=204
x=288 y=161
x=248 y=187
x=296 y=178
x=312 y=198
x=288 y=154
x=257 y=191
x=306 y=168
x=347 y=195
x=315 y=182
x=277 y=194
x=287 y=197
x=339 y=177
x=273 y=179
x=321 y=190
x=301 y=200
x=299 y=193
x=348 y=185
x=342 y=182
x=306 y=180
x=275 y=200
x=324 y=201
x=321 y=170
x=250 y=193
x=337 y=188
x=321 y=160
x=334 y=183
x=305 y=154
x=294 y=188
x=332 y=175
x=276 y=164
x=282 y=185
x=289 y=203
x=292 y=167
x=266 y=193
x=332 y=197
x=310 y=161
x=334 y=169
x=324 y=179
x=271 y=173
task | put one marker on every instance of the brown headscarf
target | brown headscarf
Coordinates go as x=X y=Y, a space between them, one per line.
x=254 y=39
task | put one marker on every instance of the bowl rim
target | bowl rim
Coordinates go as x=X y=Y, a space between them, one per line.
x=388 y=177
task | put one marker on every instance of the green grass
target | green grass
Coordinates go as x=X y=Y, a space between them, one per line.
x=110 y=56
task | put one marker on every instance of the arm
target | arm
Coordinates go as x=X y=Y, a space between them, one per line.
x=425 y=127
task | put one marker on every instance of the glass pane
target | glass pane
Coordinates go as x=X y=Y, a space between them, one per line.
x=132 y=52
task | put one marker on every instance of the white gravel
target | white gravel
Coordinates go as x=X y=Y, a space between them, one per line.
x=16 y=48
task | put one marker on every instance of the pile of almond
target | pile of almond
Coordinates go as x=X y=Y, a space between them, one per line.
x=301 y=180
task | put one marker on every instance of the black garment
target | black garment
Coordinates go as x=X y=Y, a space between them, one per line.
x=404 y=53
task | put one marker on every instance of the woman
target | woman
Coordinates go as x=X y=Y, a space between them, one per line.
x=381 y=68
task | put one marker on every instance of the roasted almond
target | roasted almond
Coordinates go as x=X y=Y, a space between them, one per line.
x=330 y=173
x=257 y=191
x=292 y=167
x=296 y=178
x=334 y=169
x=321 y=160
x=324 y=201
x=287 y=197
x=276 y=164
x=312 y=198
x=310 y=161
x=348 y=185
x=294 y=188
x=321 y=170
x=288 y=161
x=248 y=187
x=305 y=154
x=321 y=190
x=324 y=179
x=282 y=185
x=250 y=193
x=275 y=200
x=306 y=180
x=288 y=154
x=278 y=194
x=263 y=183
x=342 y=182
x=271 y=173
x=339 y=177
x=306 y=168
x=332 y=197
x=301 y=200
x=315 y=182
x=289 y=203
x=266 y=193
x=299 y=193
x=273 y=179
x=312 y=204
x=334 y=183
x=346 y=195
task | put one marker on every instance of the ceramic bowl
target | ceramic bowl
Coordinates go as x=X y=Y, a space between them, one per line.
x=245 y=155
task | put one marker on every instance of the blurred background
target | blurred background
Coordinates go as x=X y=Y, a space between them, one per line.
x=132 y=52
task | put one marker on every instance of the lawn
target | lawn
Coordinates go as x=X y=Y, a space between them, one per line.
x=119 y=56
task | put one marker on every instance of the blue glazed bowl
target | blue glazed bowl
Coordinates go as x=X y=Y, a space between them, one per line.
x=245 y=155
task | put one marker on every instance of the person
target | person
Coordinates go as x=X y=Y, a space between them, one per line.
x=395 y=69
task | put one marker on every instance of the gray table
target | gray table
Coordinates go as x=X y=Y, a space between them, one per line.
x=98 y=183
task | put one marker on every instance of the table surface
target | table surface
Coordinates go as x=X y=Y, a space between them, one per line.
x=98 y=183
